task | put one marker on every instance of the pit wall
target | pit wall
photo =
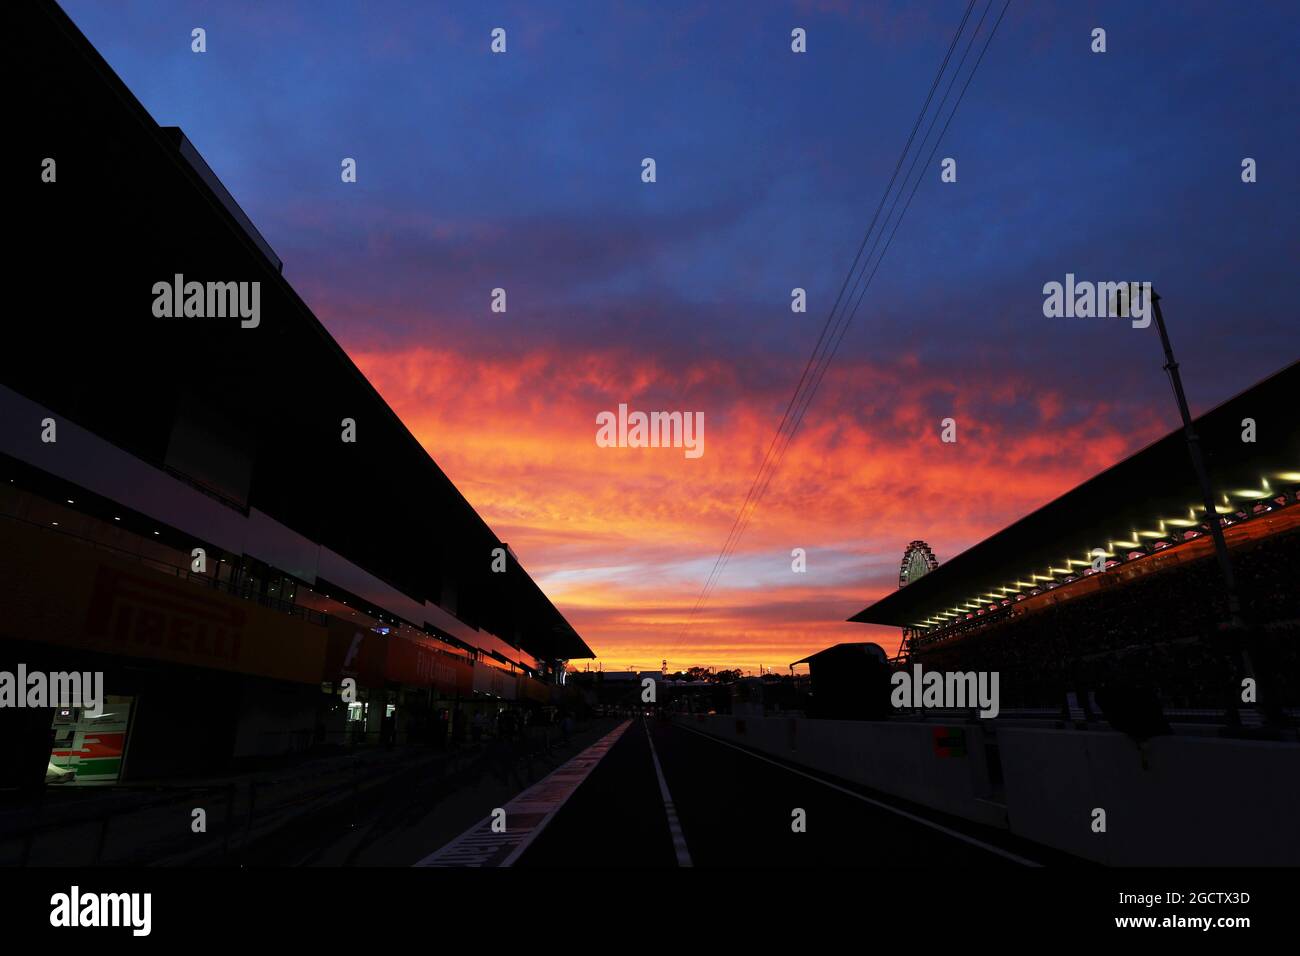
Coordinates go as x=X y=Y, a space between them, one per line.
x=1186 y=801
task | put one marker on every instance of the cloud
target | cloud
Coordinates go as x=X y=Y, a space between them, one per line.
x=622 y=539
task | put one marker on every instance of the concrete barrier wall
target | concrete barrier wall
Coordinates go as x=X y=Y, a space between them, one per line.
x=1197 y=801
x=1192 y=801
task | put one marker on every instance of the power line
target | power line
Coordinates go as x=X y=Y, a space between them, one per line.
x=844 y=325
x=819 y=365
x=733 y=535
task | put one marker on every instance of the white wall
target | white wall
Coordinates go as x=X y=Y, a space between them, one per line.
x=1198 y=800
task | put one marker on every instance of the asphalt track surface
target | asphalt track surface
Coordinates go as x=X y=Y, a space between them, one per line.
x=736 y=808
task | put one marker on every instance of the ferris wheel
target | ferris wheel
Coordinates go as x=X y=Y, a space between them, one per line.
x=918 y=560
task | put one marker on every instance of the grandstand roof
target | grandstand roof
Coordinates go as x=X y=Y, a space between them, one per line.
x=1131 y=498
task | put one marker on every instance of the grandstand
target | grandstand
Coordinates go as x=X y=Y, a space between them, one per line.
x=227 y=521
x=1039 y=604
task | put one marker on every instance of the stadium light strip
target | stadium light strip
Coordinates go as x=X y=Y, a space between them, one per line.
x=961 y=611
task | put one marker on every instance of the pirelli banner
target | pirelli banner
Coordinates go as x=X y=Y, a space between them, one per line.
x=58 y=590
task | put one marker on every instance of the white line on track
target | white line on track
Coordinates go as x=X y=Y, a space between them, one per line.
x=956 y=834
x=674 y=827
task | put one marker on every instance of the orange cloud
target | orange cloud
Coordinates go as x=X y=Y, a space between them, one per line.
x=622 y=539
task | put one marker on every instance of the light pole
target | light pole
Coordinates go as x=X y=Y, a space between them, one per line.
x=1234 y=624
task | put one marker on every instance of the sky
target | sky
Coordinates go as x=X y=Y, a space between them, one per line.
x=523 y=170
